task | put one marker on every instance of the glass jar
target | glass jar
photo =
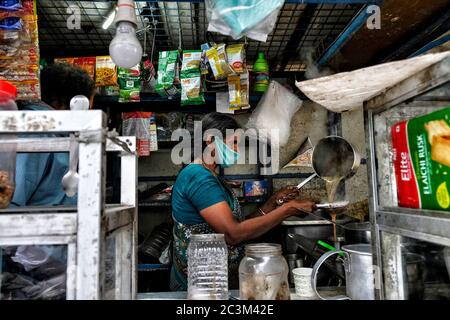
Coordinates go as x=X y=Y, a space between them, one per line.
x=263 y=273
x=8 y=94
x=207 y=267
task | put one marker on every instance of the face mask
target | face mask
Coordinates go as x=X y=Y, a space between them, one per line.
x=227 y=156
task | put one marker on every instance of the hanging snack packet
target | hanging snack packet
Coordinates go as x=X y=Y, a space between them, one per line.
x=218 y=61
x=236 y=57
x=238 y=88
x=138 y=124
x=204 y=61
x=191 y=92
x=105 y=72
x=129 y=84
x=191 y=61
x=167 y=73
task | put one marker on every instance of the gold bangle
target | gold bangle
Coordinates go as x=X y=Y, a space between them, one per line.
x=262 y=212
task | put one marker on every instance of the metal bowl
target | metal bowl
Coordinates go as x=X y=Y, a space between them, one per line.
x=357 y=232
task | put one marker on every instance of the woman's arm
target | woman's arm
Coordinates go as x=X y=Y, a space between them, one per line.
x=220 y=217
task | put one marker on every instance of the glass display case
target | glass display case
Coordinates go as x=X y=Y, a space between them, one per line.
x=410 y=245
x=81 y=252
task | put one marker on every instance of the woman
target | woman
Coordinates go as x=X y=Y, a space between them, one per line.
x=203 y=203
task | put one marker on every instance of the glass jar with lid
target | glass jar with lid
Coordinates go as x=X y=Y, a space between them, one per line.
x=263 y=273
x=207 y=267
x=8 y=95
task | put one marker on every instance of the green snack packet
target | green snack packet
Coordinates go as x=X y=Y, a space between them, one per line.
x=129 y=84
x=191 y=61
x=167 y=66
x=191 y=92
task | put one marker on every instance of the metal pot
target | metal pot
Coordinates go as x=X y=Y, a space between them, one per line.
x=335 y=156
x=359 y=275
x=357 y=232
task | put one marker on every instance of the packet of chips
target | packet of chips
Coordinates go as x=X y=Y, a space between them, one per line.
x=191 y=92
x=166 y=85
x=129 y=84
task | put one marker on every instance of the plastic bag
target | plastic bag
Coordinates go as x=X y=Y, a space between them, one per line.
x=237 y=18
x=275 y=111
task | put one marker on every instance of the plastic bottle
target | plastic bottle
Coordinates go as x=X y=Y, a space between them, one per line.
x=8 y=94
x=207 y=267
x=261 y=70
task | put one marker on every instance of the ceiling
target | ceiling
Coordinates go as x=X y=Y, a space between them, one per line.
x=303 y=31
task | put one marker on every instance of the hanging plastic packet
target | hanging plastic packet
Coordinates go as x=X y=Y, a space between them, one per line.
x=153 y=139
x=237 y=18
x=191 y=92
x=129 y=84
x=191 y=85
x=236 y=57
x=105 y=72
x=148 y=79
x=204 y=60
x=218 y=61
x=238 y=89
x=11 y=23
x=167 y=76
x=10 y=5
x=191 y=61
x=138 y=124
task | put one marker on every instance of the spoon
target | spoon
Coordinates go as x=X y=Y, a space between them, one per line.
x=70 y=180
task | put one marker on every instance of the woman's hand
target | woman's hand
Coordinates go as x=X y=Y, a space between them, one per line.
x=299 y=207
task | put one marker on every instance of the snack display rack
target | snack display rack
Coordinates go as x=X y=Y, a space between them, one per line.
x=394 y=229
x=96 y=234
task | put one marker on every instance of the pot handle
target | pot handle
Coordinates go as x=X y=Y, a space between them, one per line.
x=315 y=271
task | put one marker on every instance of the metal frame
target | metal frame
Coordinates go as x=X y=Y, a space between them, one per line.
x=391 y=223
x=328 y=19
x=83 y=228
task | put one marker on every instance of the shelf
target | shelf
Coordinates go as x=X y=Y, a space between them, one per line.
x=156 y=103
x=432 y=226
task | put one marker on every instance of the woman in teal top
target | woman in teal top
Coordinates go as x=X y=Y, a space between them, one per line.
x=203 y=203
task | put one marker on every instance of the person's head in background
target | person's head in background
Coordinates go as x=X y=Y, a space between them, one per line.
x=214 y=133
x=60 y=82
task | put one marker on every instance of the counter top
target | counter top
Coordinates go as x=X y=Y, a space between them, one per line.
x=234 y=294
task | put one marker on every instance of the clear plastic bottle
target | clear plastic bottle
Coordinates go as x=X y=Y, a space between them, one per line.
x=263 y=273
x=8 y=95
x=207 y=267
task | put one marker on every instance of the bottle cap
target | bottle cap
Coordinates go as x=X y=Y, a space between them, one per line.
x=8 y=89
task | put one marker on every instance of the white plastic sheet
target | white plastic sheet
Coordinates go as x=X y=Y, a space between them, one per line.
x=347 y=91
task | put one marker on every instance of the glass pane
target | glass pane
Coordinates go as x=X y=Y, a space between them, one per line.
x=427 y=270
x=387 y=188
x=33 y=272
x=415 y=269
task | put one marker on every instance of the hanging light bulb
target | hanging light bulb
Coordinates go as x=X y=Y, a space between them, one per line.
x=125 y=49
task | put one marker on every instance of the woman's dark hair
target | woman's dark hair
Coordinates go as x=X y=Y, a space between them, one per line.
x=60 y=82
x=218 y=121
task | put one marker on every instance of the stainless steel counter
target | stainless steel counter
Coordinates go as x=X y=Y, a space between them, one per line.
x=234 y=294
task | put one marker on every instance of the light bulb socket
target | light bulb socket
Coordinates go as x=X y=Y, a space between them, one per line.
x=126 y=12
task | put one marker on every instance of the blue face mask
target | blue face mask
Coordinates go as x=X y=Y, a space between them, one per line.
x=227 y=156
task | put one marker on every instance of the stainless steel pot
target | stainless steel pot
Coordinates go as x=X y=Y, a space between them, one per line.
x=357 y=232
x=335 y=156
x=359 y=275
